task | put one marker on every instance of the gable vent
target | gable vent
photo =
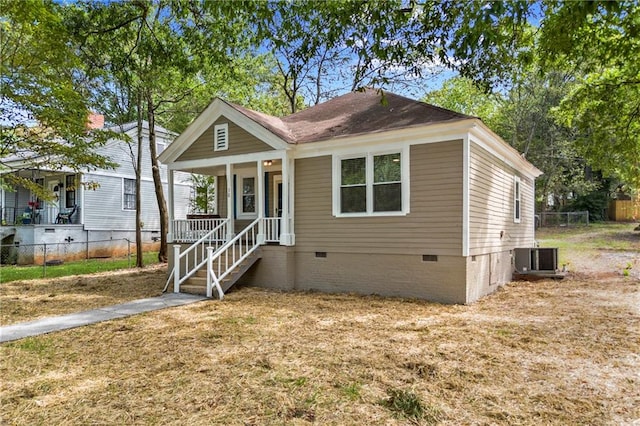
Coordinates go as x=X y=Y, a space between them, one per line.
x=221 y=137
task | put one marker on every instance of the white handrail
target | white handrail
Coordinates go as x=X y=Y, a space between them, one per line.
x=230 y=255
x=196 y=255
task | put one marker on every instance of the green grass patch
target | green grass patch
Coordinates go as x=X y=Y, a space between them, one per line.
x=38 y=345
x=352 y=391
x=589 y=240
x=81 y=267
x=611 y=236
x=407 y=404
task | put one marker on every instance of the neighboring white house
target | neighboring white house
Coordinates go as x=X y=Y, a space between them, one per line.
x=90 y=206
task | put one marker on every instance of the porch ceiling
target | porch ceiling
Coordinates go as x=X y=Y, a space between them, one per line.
x=274 y=164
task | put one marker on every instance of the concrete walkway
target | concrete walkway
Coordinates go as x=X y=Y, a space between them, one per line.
x=64 y=322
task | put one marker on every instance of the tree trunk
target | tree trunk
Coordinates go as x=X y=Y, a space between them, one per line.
x=157 y=182
x=139 y=258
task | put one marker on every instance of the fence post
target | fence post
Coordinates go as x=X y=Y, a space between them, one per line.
x=44 y=261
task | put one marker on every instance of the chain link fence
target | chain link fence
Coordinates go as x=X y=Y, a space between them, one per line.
x=49 y=254
x=562 y=219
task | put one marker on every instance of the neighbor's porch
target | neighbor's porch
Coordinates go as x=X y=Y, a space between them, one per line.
x=22 y=206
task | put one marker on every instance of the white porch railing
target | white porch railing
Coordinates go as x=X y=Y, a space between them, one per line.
x=272 y=229
x=188 y=230
x=223 y=261
x=195 y=256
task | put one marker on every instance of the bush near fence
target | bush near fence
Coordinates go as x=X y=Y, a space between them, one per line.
x=39 y=254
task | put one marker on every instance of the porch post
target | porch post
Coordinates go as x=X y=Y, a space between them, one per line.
x=230 y=209
x=260 y=201
x=170 y=197
x=286 y=237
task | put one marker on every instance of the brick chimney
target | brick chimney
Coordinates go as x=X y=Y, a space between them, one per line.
x=95 y=121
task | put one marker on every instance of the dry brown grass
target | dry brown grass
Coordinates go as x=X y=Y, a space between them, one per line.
x=548 y=352
x=32 y=299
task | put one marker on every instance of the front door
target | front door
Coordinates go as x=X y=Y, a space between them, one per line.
x=53 y=205
x=277 y=192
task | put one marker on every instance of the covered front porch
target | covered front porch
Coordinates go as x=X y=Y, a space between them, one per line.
x=252 y=206
x=21 y=205
x=243 y=192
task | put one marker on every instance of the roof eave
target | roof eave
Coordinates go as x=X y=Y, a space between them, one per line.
x=482 y=131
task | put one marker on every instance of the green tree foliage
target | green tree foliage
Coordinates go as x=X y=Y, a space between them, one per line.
x=604 y=104
x=203 y=195
x=527 y=122
x=44 y=95
x=463 y=95
x=523 y=117
x=596 y=115
x=325 y=48
x=165 y=61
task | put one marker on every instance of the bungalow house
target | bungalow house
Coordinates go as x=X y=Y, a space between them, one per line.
x=369 y=193
x=89 y=211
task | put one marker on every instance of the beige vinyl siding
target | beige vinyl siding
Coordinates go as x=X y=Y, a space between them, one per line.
x=433 y=226
x=491 y=186
x=240 y=142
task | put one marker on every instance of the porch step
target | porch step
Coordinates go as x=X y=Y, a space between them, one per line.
x=197 y=284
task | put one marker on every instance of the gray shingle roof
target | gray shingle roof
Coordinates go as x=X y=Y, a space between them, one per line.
x=353 y=114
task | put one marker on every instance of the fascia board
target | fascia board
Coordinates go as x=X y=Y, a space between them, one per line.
x=408 y=136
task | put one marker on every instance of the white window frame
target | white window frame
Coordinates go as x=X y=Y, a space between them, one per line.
x=224 y=128
x=124 y=208
x=517 y=199
x=240 y=214
x=404 y=183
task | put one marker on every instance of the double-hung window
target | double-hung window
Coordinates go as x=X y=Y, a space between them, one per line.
x=129 y=194
x=70 y=194
x=371 y=184
x=246 y=195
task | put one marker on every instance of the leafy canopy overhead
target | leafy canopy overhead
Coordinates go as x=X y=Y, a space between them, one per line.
x=44 y=95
